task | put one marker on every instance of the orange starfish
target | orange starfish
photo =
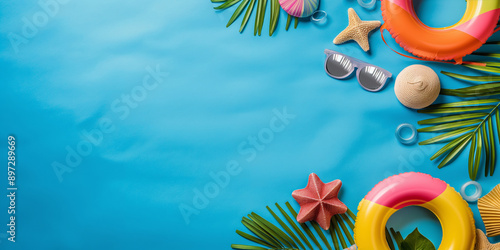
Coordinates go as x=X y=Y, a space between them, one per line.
x=319 y=201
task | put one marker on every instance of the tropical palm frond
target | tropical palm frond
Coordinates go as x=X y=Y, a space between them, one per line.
x=476 y=78
x=493 y=43
x=298 y=236
x=260 y=8
x=472 y=121
x=490 y=67
x=462 y=123
x=396 y=236
x=413 y=241
x=496 y=55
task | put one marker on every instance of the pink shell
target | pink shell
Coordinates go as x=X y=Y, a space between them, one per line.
x=299 y=8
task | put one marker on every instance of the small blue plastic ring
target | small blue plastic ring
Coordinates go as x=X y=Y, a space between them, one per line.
x=318 y=16
x=410 y=140
x=474 y=197
x=367 y=4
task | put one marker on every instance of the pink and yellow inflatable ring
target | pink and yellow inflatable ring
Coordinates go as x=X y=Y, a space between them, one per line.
x=414 y=189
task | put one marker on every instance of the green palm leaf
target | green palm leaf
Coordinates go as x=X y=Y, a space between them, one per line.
x=451 y=145
x=492 y=64
x=463 y=122
x=451 y=118
x=454 y=153
x=247 y=15
x=334 y=238
x=487 y=89
x=295 y=227
x=469 y=121
x=226 y=4
x=346 y=219
x=496 y=55
x=272 y=230
x=284 y=226
x=341 y=230
x=250 y=225
x=270 y=236
x=344 y=229
x=275 y=14
x=249 y=5
x=338 y=233
x=237 y=12
x=449 y=126
x=455 y=110
x=484 y=68
x=304 y=227
x=321 y=234
x=389 y=239
x=252 y=238
x=259 y=19
x=472 y=78
x=464 y=103
x=288 y=21
x=493 y=153
x=475 y=154
x=236 y=246
x=397 y=237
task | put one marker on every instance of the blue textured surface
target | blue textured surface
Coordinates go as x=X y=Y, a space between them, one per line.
x=74 y=73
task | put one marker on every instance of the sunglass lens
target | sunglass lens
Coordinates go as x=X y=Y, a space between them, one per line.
x=338 y=66
x=372 y=78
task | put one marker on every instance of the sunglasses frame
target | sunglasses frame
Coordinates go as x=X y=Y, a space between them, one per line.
x=357 y=65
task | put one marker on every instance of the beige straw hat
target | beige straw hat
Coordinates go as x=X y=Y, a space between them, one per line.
x=417 y=86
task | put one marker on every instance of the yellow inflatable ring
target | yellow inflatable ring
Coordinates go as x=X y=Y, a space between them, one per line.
x=450 y=43
x=414 y=189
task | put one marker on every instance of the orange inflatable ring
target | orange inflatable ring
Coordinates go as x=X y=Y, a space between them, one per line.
x=442 y=44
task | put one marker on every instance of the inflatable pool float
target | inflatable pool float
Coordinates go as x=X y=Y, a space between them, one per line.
x=414 y=189
x=441 y=44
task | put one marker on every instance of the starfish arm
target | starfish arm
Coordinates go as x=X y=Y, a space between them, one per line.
x=331 y=189
x=304 y=196
x=323 y=218
x=307 y=212
x=364 y=30
x=364 y=43
x=373 y=24
x=335 y=206
x=353 y=17
x=344 y=36
x=315 y=184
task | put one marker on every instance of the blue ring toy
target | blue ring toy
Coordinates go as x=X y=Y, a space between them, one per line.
x=410 y=140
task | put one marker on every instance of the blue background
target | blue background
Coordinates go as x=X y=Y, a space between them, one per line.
x=221 y=88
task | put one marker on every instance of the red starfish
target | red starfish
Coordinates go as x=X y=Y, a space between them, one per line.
x=319 y=201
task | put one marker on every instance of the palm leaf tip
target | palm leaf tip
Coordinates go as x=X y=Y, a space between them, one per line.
x=227 y=4
x=237 y=12
x=275 y=13
x=247 y=15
